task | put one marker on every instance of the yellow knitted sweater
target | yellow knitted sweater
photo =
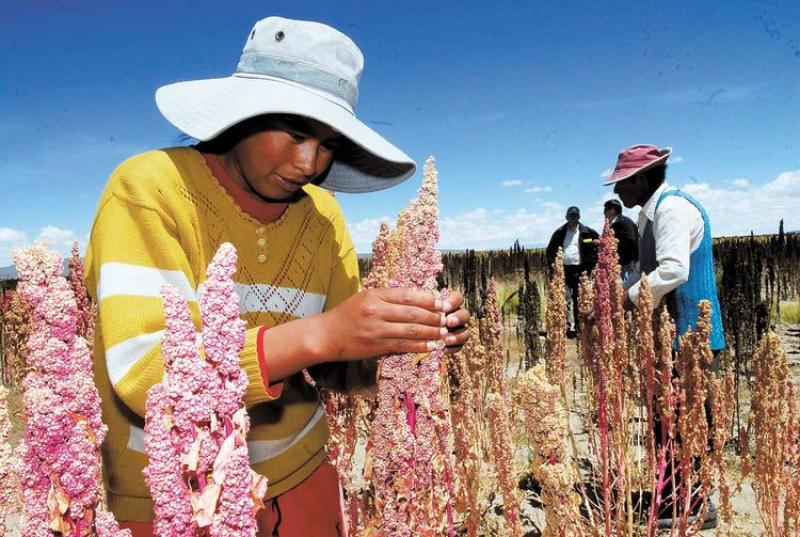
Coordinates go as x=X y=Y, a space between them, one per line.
x=160 y=219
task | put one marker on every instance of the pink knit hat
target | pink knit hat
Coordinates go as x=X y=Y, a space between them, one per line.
x=635 y=159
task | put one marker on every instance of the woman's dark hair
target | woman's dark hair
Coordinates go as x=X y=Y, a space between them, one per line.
x=345 y=149
x=231 y=136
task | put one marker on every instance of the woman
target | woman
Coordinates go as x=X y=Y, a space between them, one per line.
x=271 y=136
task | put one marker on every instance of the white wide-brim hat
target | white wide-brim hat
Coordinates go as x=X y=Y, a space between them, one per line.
x=293 y=67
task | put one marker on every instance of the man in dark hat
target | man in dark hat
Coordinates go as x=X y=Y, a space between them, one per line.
x=579 y=243
x=627 y=236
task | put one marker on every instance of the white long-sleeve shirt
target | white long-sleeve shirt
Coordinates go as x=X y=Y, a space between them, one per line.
x=678 y=229
x=572 y=251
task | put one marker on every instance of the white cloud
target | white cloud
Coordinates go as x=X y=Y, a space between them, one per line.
x=677 y=159
x=11 y=236
x=10 y=240
x=746 y=207
x=553 y=205
x=607 y=173
x=364 y=232
x=513 y=182
x=734 y=209
x=481 y=229
x=535 y=189
x=57 y=238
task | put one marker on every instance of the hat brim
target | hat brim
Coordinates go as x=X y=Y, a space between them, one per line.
x=204 y=109
x=665 y=153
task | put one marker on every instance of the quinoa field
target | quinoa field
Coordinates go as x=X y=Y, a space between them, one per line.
x=524 y=431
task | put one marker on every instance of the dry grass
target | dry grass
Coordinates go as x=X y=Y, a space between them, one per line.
x=790 y=311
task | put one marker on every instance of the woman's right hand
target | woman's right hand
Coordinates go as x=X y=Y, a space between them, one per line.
x=375 y=322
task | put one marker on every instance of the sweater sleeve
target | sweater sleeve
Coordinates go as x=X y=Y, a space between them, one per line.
x=135 y=249
x=344 y=282
x=344 y=278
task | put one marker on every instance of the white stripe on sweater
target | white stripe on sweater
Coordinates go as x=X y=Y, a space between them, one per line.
x=262 y=297
x=135 y=438
x=136 y=280
x=122 y=356
x=126 y=279
x=259 y=450
x=262 y=450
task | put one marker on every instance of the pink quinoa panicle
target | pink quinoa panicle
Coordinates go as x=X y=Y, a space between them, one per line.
x=603 y=310
x=492 y=331
x=421 y=261
x=235 y=511
x=498 y=413
x=347 y=415
x=466 y=410
x=223 y=330
x=106 y=525
x=556 y=344
x=196 y=425
x=379 y=274
x=58 y=461
x=86 y=309
x=411 y=456
x=547 y=427
x=15 y=326
x=433 y=437
x=7 y=485
x=171 y=508
x=223 y=341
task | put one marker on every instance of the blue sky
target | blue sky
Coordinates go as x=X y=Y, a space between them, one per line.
x=524 y=104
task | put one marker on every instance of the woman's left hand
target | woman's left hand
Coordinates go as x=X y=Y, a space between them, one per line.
x=457 y=319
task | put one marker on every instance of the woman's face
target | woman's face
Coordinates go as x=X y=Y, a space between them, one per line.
x=285 y=154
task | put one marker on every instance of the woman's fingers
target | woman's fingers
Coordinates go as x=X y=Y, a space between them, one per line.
x=429 y=300
x=453 y=301
x=456 y=339
x=415 y=332
x=458 y=319
x=390 y=321
x=412 y=314
x=414 y=307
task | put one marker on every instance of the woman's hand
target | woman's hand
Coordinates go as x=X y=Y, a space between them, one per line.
x=457 y=319
x=371 y=323
x=381 y=321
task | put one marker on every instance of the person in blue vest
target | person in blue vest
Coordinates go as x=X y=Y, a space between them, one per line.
x=675 y=251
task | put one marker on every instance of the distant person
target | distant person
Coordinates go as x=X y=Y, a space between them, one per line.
x=627 y=236
x=579 y=243
x=675 y=255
